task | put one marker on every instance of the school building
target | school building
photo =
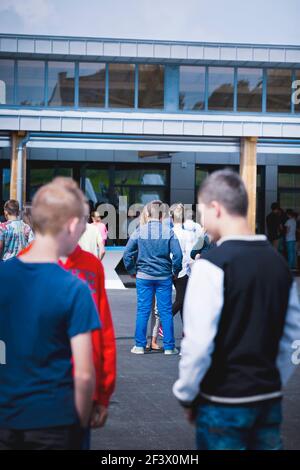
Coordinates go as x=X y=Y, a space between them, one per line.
x=149 y=119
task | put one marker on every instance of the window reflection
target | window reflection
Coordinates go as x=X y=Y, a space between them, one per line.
x=61 y=83
x=91 y=84
x=107 y=185
x=141 y=177
x=279 y=87
x=41 y=176
x=97 y=185
x=121 y=85
x=220 y=88
x=151 y=86
x=31 y=76
x=5 y=184
x=250 y=82
x=6 y=81
x=192 y=88
x=297 y=92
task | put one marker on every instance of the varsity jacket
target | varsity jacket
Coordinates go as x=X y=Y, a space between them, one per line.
x=241 y=322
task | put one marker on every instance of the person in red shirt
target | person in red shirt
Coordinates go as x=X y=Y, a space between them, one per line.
x=87 y=267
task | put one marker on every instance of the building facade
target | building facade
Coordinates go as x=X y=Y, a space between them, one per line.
x=149 y=119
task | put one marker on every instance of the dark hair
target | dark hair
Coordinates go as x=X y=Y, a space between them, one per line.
x=274 y=206
x=12 y=207
x=290 y=212
x=227 y=188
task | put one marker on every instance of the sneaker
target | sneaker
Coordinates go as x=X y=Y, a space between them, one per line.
x=171 y=352
x=160 y=332
x=137 y=350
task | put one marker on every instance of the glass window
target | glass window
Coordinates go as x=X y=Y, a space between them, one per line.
x=31 y=79
x=5 y=184
x=151 y=86
x=7 y=74
x=41 y=176
x=220 y=88
x=290 y=200
x=279 y=87
x=121 y=85
x=192 y=87
x=91 y=84
x=61 y=83
x=97 y=185
x=249 y=89
x=151 y=177
x=288 y=179
x=297 y=92
x=143 y=196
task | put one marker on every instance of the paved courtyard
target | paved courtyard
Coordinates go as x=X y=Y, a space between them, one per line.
x=143 y=413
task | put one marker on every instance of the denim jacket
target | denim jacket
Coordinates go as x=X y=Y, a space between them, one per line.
x=153 y=249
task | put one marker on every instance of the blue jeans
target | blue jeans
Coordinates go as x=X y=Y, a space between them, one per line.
x=230 y=427
x=291 y=254
x=146 y=290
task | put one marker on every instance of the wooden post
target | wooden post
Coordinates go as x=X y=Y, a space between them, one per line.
x=248 y=171
x=15 y=139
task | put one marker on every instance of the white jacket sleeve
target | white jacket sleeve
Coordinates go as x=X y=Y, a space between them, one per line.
x=202 y=310
x=287 y=358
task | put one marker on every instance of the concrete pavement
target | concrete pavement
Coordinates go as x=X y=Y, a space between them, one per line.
x=143 y=413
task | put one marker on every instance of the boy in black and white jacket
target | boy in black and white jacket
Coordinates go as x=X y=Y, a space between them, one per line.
x=241 y=323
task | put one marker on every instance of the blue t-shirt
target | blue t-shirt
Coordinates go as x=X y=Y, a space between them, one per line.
x=42 y=307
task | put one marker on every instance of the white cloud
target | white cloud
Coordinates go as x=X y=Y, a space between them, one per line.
x=31 y=12
x=254 y=21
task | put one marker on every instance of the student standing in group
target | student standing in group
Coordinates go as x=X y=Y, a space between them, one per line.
x=91 y=241
x=96 y=218
x=241 y=318
x=155 y=318
x=153 y=253
x=48 y=322
x=14 y=233
x=187 y=232
x=87 y=267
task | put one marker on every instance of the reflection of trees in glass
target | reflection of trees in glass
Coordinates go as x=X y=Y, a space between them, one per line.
x=92 y=88
x=62 y=90
x=151 y=86
x=279 y=90
x=191 y=87
x=249 y=98
x=221 y=97
x=183 y=102
x=41 y=176
x=121 y=85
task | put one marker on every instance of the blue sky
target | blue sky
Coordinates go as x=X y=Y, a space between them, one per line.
x=253 y=21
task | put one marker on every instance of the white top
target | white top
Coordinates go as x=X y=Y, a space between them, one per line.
x=188 y=234
x=91 y=240
x=291 y=226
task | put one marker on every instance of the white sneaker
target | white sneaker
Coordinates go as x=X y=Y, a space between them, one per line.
x=171 y=352
x=137 y=350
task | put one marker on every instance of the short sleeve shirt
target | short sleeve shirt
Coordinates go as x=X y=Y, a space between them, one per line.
x=15 y=236
x=42 y=307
